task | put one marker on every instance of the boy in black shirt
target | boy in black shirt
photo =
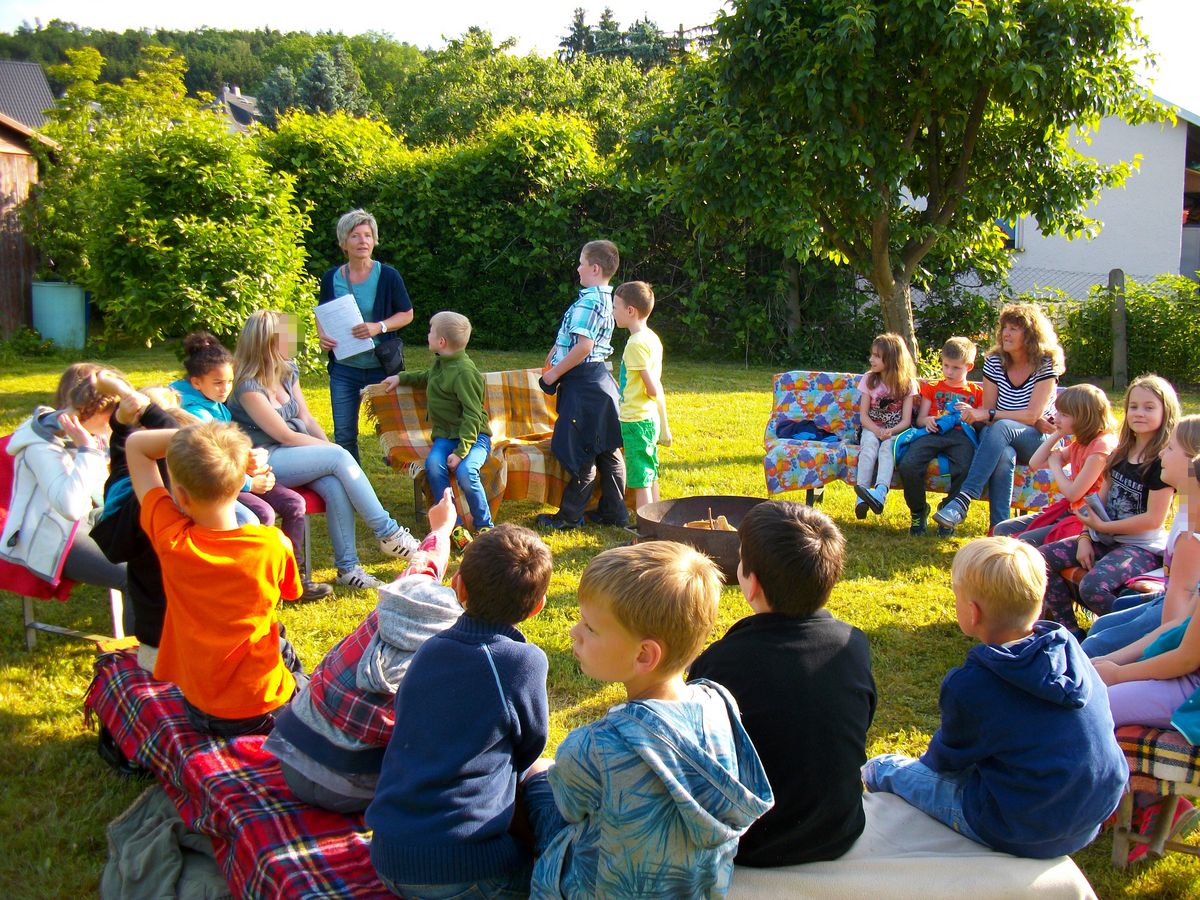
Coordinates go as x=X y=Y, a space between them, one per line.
x=803 y=682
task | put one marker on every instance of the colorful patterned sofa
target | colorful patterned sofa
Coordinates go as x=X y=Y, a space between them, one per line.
x=830 y=401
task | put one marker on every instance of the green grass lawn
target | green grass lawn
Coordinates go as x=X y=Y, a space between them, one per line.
x=59 y=796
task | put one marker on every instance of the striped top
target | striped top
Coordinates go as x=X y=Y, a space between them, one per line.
x=1010 y=396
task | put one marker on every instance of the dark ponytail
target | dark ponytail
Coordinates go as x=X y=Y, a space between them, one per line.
x=202 y=353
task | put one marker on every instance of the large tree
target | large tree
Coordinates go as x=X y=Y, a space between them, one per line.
x=871 y=133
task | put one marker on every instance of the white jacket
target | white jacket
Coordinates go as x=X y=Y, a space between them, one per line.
x=55 y=485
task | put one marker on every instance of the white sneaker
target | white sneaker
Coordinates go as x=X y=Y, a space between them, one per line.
x=357 y=578
x=400 y=543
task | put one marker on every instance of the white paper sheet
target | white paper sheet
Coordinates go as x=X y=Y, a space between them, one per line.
x=337 y=317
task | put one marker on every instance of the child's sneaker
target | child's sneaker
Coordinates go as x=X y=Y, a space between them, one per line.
x=315 y=590
x=459 y=538
x=945 y=531
x=860 y=509
x=553 y=521
x=873 y=497
x=399 y=544
x=920 y=523
x=953 y=512
x=1184 y=820
x=358 y=579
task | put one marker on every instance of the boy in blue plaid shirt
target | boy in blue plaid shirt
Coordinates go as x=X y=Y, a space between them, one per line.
x=587 y=435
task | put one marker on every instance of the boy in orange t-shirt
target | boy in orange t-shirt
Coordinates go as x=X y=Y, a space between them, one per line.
x=221 y=642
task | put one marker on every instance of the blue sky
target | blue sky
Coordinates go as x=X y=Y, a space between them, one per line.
x=1173 y=25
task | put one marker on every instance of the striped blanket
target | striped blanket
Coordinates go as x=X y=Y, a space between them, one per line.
x=521 y=466
x=268 y=844
x=1160 y=758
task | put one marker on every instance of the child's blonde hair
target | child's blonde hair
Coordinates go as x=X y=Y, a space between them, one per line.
x=1187 y=435
x=1004 y=576
x=603 y=254
x=257 y=356
x=454 y=327
x=209 y=460
x=1161 y=389
x=899 y=373
x=1091 y=415
x=960 y=349
x=659 y=590
x=636 y=295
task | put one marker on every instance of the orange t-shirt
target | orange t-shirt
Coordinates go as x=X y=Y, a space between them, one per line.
x=1077 y=455
x=220 y=637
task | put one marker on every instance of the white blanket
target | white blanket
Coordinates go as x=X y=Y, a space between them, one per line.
x=903 y=853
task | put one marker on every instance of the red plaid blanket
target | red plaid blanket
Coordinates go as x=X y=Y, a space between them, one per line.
x=1158 y=756
x=268 y=844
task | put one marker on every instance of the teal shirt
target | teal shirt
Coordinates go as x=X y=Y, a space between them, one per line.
x=364 y=296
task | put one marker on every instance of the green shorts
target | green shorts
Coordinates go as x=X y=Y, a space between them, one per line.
x=640 y=441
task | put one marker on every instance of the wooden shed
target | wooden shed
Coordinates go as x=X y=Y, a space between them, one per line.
x=18 y=260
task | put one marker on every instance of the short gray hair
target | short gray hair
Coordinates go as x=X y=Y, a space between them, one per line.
x=352 y=220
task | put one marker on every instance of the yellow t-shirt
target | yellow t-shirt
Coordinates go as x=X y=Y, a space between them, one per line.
x=644 y=351
x=220 y=638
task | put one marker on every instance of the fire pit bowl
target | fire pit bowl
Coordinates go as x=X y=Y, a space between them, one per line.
x=664 y=521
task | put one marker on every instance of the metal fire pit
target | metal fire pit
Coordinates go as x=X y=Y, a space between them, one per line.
x=664 y=521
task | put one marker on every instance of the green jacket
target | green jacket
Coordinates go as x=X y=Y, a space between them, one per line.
x=455 y=391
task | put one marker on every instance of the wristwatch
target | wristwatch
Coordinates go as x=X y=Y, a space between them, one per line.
x=383 y=327
x=991 y=415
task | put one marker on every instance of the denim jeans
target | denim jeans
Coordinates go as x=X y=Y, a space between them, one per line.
x=467 y=475
x=1120 y=629
x=346 y=384
x=343 y=485
x=499 y=887
x=544 y=817
x=937 y=794
x=1002 y=445
x=954 y=445
x=875 y=461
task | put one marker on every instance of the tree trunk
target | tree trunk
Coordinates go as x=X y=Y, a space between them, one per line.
x=792 y=269
x=898 y=315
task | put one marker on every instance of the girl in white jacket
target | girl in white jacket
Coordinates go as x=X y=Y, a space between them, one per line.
x=61 y=462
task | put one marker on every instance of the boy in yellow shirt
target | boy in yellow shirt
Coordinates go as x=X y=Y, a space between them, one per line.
x=643 y=401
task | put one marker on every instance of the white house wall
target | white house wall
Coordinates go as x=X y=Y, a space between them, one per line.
x=1142 y=227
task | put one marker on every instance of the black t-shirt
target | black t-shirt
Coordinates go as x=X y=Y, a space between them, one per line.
x=1129 y=487
x=807 y=697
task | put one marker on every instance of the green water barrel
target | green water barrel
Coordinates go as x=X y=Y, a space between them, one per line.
x=60 y=313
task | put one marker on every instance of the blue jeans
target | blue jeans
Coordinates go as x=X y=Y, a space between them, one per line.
x=346 y=385
x=343 y=485
x=1002 y=445
x=936 y=794
x=1120 y=629
x=467 y=475
x=544 y=817
x=499 y=887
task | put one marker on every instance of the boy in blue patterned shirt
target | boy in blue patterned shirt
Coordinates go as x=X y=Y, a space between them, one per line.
x=653 y=797
x=587 y=434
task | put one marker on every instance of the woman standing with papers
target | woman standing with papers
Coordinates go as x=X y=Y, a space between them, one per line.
x=383 y=302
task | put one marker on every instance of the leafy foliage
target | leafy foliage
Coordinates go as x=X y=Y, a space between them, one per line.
x=171 y=221
x=1163 y=329
x=818 y=121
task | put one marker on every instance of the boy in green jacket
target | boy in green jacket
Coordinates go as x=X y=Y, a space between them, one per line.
x=462 y=438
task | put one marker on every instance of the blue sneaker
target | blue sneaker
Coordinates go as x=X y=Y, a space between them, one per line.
x=953 y=513
x=920 y=523
x=873 y=497
x=547 y=520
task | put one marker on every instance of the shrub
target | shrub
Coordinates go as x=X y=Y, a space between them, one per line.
x=189 y=228
x=1163 y=329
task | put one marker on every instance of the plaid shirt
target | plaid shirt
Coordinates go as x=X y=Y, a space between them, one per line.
x=366 y=717
x=591 y=317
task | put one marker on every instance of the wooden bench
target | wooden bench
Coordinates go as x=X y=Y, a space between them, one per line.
x=830 y=401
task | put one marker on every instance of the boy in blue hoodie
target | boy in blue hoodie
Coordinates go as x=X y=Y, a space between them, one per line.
x=652 y=798
x=1025 y=760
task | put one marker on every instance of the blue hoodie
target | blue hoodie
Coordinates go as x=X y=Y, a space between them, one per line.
x=656 y=795
x=198 y=405
x=1030 y=723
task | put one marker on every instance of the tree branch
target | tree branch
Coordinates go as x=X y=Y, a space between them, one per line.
x=958 y=180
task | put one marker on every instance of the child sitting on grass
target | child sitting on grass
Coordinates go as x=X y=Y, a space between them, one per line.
x=462 y=437
x=1025 y=760
x=653 y=797
x=471 y=714
x=331 y=738
x=222 y=643
x=803 y=682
